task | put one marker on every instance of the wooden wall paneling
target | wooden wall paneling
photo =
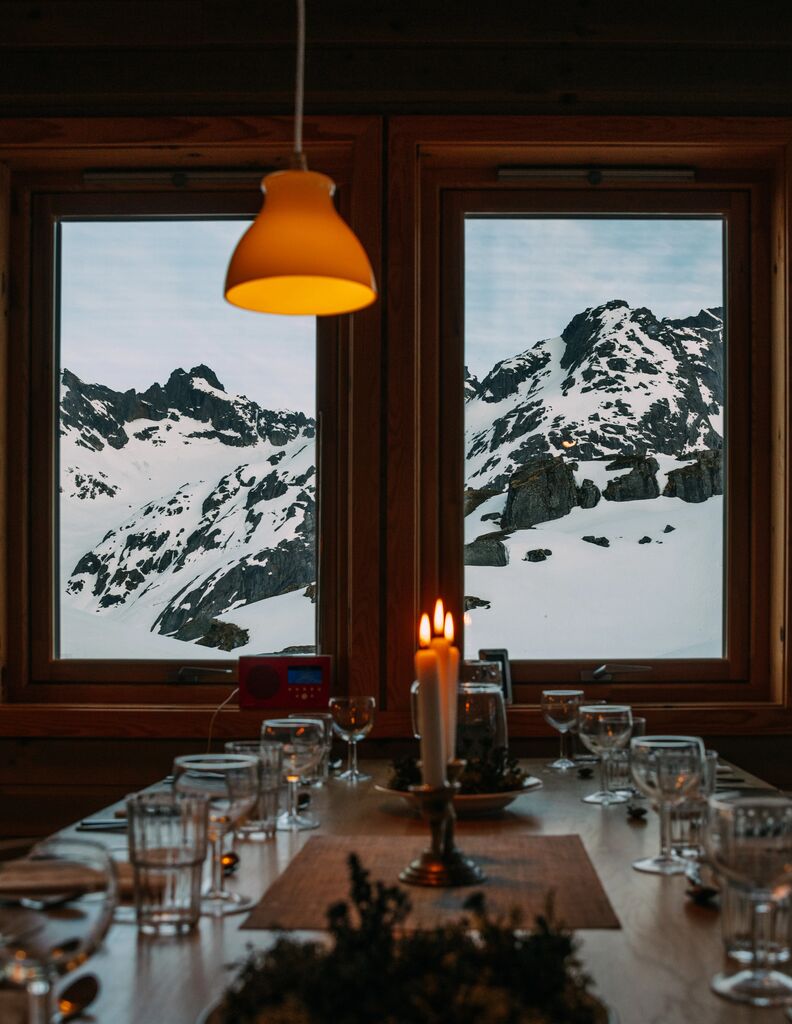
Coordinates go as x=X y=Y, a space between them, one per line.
x=402 y=419
x=5 y=251
x=185 y=23
x=781 y=423
x=256 y=74
x=361 y=392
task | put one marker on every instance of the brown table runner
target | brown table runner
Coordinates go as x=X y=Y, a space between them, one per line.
x=520 y=872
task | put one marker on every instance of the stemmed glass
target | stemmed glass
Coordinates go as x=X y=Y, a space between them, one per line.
x=560 y=709
x=749 y=841
x=667 y=769
x=56 y=906
x=303 y=745
x=603 y=728
x=231 y=783
x=353 y=718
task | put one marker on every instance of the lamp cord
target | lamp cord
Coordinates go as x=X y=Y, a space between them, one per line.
x=299 y=88
x=217 y=711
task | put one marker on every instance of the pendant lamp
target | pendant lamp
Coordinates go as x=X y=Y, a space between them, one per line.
x=298 y=256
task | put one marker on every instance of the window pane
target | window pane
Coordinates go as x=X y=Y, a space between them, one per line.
x=186 y=459
x=594 y=435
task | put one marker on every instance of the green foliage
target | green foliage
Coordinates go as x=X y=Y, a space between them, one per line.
x=489 y=770
x=479 y=970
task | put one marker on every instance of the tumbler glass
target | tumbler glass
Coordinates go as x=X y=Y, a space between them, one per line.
x=481 y=719
x=167 y=849
x=260 y=823
x=749 y=843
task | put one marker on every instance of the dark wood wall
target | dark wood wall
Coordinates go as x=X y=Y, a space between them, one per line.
x=201 y=57
x=79 y=57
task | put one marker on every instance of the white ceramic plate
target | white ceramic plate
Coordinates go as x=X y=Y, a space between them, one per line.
x=472 y=805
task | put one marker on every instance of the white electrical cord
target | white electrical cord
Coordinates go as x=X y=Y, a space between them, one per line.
x=299 y=87
x=216 y=712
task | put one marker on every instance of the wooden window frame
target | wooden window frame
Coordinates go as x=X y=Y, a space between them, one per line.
x=431 y=160
x=745 y=501
x=48 y=159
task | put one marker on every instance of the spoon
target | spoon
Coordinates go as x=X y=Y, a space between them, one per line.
x=75 y=998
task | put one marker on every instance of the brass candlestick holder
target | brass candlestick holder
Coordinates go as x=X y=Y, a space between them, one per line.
x=441 y=864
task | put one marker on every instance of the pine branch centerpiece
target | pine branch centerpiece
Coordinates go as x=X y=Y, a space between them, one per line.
x=478 y=970
x=489 y=769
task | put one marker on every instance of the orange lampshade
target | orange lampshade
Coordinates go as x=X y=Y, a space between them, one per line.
x=298 y=256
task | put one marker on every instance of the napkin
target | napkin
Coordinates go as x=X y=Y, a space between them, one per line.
x=39 y=878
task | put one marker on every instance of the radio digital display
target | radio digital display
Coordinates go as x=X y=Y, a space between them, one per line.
x=304 y=675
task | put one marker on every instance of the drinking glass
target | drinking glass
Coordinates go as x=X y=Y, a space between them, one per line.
x=667 y=769
x=56 y=906
x=603 y=728
x=560 y=709
x=321 y=773
x=580 y=754
x=231 y=784
x=167 y=849
x=353 y=718
x=481 y=719
x=260 y=824
x=618 y=767
x=689 y=816
x=749 y=841
x=302 y=742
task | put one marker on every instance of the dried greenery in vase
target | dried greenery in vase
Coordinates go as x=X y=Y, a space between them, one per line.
x=476 y=971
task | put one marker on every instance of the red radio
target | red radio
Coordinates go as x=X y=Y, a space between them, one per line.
x=299 y=682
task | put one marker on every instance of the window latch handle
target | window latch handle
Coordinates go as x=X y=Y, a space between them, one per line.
x=194 y=673
x=605 y=673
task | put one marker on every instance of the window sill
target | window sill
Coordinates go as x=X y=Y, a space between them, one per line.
x=192 y=721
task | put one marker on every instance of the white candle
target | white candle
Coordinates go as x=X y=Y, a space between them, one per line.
x=430 y=715
x=448 y=675
x=452 y=688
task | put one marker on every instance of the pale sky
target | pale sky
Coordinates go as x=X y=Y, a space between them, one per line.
x=525 y=278
x=141 y=298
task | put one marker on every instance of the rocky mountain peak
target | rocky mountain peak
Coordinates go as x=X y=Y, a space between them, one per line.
x=506 y=376
x=100 y=416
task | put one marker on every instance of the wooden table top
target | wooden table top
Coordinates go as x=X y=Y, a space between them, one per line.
x=654 y=970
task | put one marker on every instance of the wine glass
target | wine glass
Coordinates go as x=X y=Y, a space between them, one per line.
x=667 y=769
x=560 y=709
x=321 y=772
x=353 y=718
x=749 y=841
x=303 y=744
x=57 y=905
x=603 y=728
x=231 y=783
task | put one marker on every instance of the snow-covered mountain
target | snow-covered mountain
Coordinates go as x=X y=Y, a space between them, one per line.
x=182 y=507
x=617 y=381
x=593 y=508
x=621 y=408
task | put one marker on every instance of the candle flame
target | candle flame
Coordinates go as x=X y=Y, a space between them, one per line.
x=448 y=629
x=439 y=617
x=424 y=631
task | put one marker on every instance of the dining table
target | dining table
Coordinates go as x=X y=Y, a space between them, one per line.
x=653 y=969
